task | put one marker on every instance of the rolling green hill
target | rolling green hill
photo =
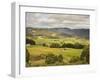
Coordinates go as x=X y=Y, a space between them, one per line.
x=55 y=47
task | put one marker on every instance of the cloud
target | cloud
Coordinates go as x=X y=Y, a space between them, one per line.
x=44 y=20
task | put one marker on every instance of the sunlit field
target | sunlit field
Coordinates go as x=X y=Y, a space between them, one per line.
x=46 y=49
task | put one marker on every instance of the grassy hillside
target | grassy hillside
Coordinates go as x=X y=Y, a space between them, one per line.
x=54 y=49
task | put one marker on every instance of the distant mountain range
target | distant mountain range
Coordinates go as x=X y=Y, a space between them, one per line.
x=83 y=33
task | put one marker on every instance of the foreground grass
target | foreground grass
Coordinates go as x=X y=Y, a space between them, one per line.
x=37 y=50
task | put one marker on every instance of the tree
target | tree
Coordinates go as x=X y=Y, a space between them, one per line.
x=50 y=58
x=60 y=58
x=55 y=45
x=29 y=41
x=44 y=44
x=27 y=56
x=67 y=45
x=85 y=54
x=74 y=59
x=78 y=46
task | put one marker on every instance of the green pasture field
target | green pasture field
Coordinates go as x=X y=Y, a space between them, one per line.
x=67 y=53
x=38 y=50
x=41 y=40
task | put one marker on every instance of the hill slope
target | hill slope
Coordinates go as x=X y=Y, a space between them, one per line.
x=64 y=32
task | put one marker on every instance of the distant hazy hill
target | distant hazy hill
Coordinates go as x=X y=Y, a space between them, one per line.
x=58 y=31
x=73 y=32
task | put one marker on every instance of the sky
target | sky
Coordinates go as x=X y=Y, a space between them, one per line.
x=50 y=20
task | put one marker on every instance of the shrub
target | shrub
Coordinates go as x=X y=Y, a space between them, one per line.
x=67 y=45
x=29 y=41
x=42 y=56
x=74 y=59
x=55 y=45
x=60 y=58
x=50 y=58
x=78 y=46
x=44 y=44
x=85 y=54
x=70 y=45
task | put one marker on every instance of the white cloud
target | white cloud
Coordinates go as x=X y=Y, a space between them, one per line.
x=43 y=20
